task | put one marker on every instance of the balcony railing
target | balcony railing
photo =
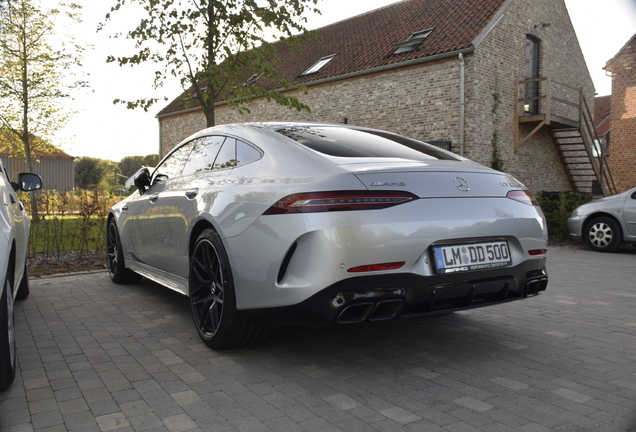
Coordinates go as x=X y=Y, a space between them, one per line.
x=545 y=102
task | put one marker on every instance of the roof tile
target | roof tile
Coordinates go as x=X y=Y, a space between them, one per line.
x=366 y=41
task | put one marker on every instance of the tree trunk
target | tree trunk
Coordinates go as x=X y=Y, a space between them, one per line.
x=35 y=215
x=207 y=103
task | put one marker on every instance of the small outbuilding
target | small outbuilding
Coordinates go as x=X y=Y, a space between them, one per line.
x=52 y=164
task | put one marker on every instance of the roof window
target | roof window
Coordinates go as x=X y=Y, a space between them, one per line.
x=412 y=42
x=251 y=80
x=319 y=64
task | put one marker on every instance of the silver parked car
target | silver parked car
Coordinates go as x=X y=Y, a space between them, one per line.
x=269 y=223
x=606 y=223
x=14 y=238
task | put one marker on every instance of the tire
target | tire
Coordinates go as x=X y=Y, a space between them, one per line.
x=213 y=299
x=115 y=257
x=7 y=334
x=23 y=289
x=603 y=234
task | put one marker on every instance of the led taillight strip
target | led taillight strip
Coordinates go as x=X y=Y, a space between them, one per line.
x=314 y=202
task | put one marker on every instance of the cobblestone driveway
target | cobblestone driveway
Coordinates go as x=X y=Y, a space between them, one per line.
x=94 y=356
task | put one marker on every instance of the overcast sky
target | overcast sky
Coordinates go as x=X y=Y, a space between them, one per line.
x=101 y=129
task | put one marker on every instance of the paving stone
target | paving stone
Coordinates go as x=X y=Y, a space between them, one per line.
x=95 y=356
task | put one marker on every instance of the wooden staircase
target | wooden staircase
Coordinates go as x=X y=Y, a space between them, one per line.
x=543 y=102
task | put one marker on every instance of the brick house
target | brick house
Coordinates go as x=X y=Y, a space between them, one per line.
x=603 y=119
x=622 y=149
x=454 y=73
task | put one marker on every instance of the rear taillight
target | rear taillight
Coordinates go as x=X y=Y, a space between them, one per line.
x=523 y=196
x=314 y=202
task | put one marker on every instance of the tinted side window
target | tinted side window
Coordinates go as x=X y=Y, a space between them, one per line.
x=227 y=155
x=173 y=165
x=203 y=154
x=245 y=153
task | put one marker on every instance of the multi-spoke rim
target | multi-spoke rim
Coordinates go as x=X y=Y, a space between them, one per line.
x=206 y=288
x=601 y=235
x=111 y=249
x=10 y=322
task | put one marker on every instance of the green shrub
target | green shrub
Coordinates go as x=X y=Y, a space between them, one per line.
x=557 y=207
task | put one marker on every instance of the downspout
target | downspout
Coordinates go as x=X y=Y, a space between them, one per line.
x=462 y=103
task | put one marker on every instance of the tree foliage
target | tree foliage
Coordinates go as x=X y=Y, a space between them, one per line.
x=103 y=174
x=131 y=164
x=216 y=46
x=35 y=72
x=89 y=172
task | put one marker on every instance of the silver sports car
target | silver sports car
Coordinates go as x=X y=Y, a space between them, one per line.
x=269 y=223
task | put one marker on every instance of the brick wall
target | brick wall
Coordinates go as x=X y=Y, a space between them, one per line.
x=423 y=101
x=622 y=149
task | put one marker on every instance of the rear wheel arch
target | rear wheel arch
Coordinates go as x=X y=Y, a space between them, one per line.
x=196 y=231
x=597 y=215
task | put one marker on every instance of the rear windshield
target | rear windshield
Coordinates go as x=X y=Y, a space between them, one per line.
x=353 y=143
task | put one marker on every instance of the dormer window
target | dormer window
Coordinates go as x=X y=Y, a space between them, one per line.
x=412 y=42
x=319 y=65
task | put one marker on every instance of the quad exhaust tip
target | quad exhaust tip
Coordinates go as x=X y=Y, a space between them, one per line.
x=380 y=311
x=536 y=286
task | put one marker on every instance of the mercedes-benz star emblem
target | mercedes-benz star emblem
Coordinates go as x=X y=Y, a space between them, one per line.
x=462 y=184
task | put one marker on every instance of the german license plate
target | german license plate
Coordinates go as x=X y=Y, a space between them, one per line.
x=471 y=257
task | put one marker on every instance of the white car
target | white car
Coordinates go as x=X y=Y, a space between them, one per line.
x=14 y=237
x=270 y=223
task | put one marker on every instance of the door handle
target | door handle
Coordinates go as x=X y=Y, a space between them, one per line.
x=192 y=193
x=154 y=197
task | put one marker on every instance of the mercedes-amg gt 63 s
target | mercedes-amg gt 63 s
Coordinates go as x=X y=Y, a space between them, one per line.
x=269 y=223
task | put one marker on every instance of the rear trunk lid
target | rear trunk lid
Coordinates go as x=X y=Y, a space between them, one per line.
x=436 y=179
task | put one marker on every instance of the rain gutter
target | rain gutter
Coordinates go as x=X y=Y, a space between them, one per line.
x=462 y=102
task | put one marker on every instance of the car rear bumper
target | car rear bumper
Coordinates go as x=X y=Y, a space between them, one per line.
x=404 y=295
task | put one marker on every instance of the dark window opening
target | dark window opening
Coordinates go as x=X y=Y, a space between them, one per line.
x=443 y=144
x=533 y=55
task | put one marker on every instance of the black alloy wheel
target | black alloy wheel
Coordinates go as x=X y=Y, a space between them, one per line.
x=115 y=257
x=603 y=234
x=7 y=333
x=212 y=298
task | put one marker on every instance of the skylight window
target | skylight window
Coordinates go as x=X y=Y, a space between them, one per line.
x=251 y=80
x=412 y=42
x=319 y=64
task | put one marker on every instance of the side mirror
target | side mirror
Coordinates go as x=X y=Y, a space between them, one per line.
x=142 y=180
x=29 y=182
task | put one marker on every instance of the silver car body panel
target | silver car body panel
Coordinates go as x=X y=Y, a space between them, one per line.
x=15 y=225
x=459 y=201
x=621 y=207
